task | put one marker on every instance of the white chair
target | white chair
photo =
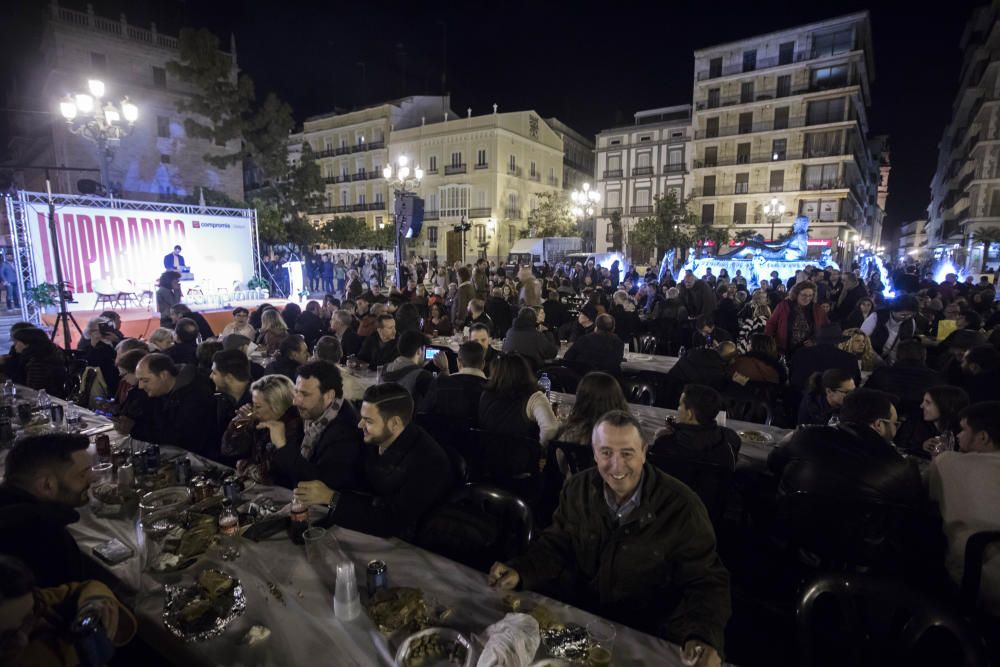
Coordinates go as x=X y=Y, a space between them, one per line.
x=106 y=293
x=126 y=292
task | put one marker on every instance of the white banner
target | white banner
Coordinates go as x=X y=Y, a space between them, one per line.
x=101 y=247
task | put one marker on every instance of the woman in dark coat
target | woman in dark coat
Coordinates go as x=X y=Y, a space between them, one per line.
x=43 y=366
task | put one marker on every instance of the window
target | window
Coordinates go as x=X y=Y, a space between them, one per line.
x=432 y=203
x=646 y=137
x=361 y=198
x=825 y=78
x=750 y=60
x=159 y=77
x=432 y=234
x=343 y=197
x=617 y=141
x=343 y=172
x=784 y=88
x=481 y=157
x=822 y=144
x=675 y=192
x=481 y=199
x=779 y=150
x=777 y=183
x=513 y=205
x=614 y=162
x=552 y=175
x=532 y=169
x=715 y=67
x=642 y=197
x=785 y=53
x=456 y=159
x=781 y=118
x=378 y=198
x=480 y=233
x=163 y=127
x=821 y=176
x=511 y=233
x=164 y=159
x=746 y=122
x=995 y=204
x=643 y=159
x=707 y=214
x=708 y=186
x=98 y=61
x=454 y=200
x=328 y=144
x=740 y=213
x=714 y=97
x=742 y=184
x=711 y=156
x=712 y=127
x=743 y=153
x=614 y=198
x=432 y=164
x=746 y=92
x=824 y=210
x=825 y=111
x=675 y=157
x=512 y=164
x=832 y=43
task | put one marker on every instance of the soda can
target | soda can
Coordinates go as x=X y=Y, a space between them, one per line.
x=103 y=446
x=57 y=412
x=231 y=488
x=377 y=576
x=182 y=470
x=152 y=455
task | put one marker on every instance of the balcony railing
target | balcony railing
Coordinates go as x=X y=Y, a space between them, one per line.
x=642 y=171
x=328 y=152
x=674 y=168
x=480 y=212
x=835 y=184
x=611 y=210
x=612 y=173
x=763 y=157
x=331 y=180
x=553 y=180
x=431 y=215
x=512 y=213
x=762 y=126
x=452 y=169
x=535 y=176
x=433 y=170
x=372 y=175
x=349 y=208
x=482 y=165
x=762 y=63
x=360 y=176
x=514 y=171
x=343 y=150
x=641 y=210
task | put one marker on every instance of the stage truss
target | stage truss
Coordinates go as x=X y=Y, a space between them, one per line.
x=24 y=252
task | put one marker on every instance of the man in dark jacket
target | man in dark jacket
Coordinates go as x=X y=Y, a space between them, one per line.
x=331 y=451
x=631 y=544
x=854 y=460
x=310 y=325
x=500 y=312
x=380 y=348
x=556 y=312
x=727 y=311
x=697 y=297
x=479 y=333
x=821 y=356
x=477 y=315
x=909 y=377
x=408 y=369
x=853 y=291
x=457 y=395
x=292 y=353
x=185 y=350
x=342 y=325
x=242 y=343
x=525 y=339
x=466 y=293
x=231 y=377
x=180 y=311
x=184 y=407
x=406 y=472
x=46 y=477
x=702 y=365
x=696 y=436
x=600 y=350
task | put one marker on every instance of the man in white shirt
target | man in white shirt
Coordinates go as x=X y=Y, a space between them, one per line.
x=966 y=486
x=240 y=324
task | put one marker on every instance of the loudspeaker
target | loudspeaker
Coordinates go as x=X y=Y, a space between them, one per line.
x=410 y=215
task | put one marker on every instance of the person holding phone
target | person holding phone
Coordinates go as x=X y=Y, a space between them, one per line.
x=408 y=368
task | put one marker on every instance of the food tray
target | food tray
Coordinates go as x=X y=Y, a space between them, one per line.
x=224 y=610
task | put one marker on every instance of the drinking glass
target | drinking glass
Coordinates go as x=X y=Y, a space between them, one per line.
x=315 y=540
x=102 y=474
x=601 y=636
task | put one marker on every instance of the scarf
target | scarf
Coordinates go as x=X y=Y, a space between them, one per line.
x=314 y=429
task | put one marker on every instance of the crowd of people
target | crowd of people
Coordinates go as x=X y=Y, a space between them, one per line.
x=877 y=389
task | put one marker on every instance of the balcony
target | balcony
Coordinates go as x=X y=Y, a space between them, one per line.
x=452 y=169
x=612 y=173
x=432 y=171
x=482 y=165
x=514 y=171
x=763 y=126
x=535 y=176
x=377 y=206
x=512 y=213
x=360 y=176
x=835 y=184
x=329 y=152
x=762 y=64
x=372 y=175
x=763 y=157
x=611 y=210
x=343 y=150
x=553 y=181
x=674 y=168
x=642 y=171
x=480 y=212
x=759 y=96
x=641 y=210
x=331 y=180
x=376 y=145
x=431 y=215
x=345 y=178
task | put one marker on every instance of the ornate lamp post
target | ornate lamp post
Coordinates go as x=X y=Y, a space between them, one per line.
x=103 y=122
x=585 y=203
x=774 y=209
x=401 y=178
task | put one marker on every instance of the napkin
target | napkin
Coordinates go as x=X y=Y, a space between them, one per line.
x=512 y=642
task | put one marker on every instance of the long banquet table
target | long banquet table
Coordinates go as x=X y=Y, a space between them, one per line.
x=304 y=629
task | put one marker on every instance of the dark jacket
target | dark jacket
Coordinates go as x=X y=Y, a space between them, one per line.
x=711 y=444
x=34 y=531
x=43 y=367
x=699 y=299
x=183 y=353
x=455 y=396
x=413 y=476
x=658 y=572
x=726 y=315
x=284 y=366
x=506 y=414
x=848 y=462
x=701 y=366
x=501 y=314
x=818 y=358
x=204 y=328
x=460 y=306
x=181 y=417
x=310 y=326
x=376 y=353
x=814 y=409
x=906 y=379
x=530 y=343
x=598 y=352
x=879 y=337
x=415 y=379
x=350 y=343
x=103 y=356
x=336 y=459
x=556 y=313
x=849 y=301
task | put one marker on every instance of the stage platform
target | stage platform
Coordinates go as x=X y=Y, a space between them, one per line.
x=140 y=322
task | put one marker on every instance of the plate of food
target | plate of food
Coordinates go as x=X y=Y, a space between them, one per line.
x=759 y=437
x=174 y=540
x=434 y=647
x=203 y=610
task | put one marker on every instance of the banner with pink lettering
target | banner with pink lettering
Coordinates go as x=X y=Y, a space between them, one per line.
x=102 y=247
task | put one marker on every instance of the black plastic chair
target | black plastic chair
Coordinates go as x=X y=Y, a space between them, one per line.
x=711 y=482
x=446 y=430
x=564 y=379
x=647 y=344
x=972 y=574
x=747 y=409
x=638 y=390
x=576 y=457
x=850 y=619
x=499 y=456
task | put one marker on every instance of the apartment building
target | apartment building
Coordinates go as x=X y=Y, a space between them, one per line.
x=912 y=241
x=351 y=149
x=485 y=170
x=785 y=116
x=637 y=163
x=965 y=190
x=157 y=160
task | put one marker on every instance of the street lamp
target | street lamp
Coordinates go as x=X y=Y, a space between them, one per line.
x=401 y=178
x=774 y=209
x=585 y=203
x=103 y=122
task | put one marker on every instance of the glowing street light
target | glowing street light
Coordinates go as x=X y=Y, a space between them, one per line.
x=584 y=201
x=401 y=178
x=101 y=121
x=774 y=209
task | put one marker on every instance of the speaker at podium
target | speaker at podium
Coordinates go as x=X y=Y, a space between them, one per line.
x=410 y=214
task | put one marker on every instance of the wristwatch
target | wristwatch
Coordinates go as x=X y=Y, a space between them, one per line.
x=331 y=506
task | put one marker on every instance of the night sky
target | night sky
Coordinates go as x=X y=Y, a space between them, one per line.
x=591 y=64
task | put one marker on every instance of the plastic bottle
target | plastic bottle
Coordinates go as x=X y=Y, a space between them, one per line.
x=44 y=404
x=546 y=385
x=680 y=352
x=229 y=521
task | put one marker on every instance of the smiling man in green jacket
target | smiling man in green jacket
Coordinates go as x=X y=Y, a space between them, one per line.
x=632 y=544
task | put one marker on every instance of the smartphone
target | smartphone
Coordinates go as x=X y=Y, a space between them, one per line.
x=113 y=552
x=430 y=353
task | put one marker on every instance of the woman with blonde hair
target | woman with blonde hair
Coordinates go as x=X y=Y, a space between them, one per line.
x=272 y=397
x=273 y=331
x=161 y=339
x=858 y=344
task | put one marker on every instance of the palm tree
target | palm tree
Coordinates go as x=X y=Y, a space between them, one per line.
x=987 y=236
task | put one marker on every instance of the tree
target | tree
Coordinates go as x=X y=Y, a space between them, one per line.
x=344 y=232
x=672 y=225
x=745 y=235
x=987 y=236
x=552 y=217
x=707 y=232
x=616 y=230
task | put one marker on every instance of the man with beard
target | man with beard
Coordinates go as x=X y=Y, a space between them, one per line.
x=407 y=472
x=46 y=478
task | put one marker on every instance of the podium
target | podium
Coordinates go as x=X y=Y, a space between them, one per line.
x=295 y=282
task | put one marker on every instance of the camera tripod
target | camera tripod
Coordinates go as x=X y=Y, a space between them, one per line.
x=65 y=317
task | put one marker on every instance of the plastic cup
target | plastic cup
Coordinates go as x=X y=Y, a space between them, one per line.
x=315 y=541
x=102 y=474
x=601 y=637
x=720 y=418
x=346 y=600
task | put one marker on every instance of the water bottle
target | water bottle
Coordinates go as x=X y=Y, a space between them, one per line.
x=546 y=385
x=44 y=405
